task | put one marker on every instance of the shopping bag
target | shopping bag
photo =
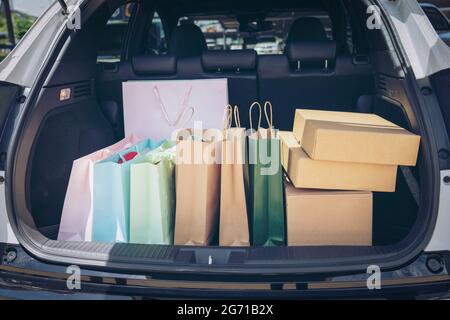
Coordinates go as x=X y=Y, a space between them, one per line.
x=152 y=196
x=157 y=109
x=111 y=210
x=197 y=174
x=233 y=230
x=266 y=181
x=76 y=218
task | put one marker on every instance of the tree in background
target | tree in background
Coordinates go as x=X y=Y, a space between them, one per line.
x=21 y=24
x=3 y=31
x=2 y=22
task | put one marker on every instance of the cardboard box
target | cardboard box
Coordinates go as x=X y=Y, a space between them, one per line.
x=354 y=137
x=328 y=218
x=315 y=174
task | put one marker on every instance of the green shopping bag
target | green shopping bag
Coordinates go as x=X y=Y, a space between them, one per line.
x=152 y=196
x=111 y=195
x=266 y=183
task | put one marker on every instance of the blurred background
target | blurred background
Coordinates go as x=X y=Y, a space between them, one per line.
x=16 y=17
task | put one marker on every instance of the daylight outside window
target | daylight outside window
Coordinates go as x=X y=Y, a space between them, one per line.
x=16 y=17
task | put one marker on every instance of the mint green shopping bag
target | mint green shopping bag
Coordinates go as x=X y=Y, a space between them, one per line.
x=266 y=184
x=152 y=192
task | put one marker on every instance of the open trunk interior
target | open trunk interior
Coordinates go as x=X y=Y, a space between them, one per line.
x=364 y=76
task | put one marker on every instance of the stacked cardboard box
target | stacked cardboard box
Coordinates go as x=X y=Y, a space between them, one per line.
x=351 y=154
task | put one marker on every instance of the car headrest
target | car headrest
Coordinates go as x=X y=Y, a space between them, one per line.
x=187 y=41
x=232 y=60
x=312 y=52
x=307 y=29
x=154 y=64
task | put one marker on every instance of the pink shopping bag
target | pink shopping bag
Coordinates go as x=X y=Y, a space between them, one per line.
x=157 y=109
x=76 y=219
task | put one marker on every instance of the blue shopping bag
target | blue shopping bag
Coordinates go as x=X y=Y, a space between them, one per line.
x=111 y=190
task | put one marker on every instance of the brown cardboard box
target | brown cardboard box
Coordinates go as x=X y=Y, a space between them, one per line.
x=315 y=174
x=328 y=218
x=354 y=137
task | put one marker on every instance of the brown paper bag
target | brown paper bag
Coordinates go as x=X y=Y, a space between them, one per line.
x=233 y=207
x=197 y=174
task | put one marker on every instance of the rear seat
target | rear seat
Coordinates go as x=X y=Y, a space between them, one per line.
x=239 y=67
x=187 y=44
x=310 y=75
x=185 y=60
x=194 y=61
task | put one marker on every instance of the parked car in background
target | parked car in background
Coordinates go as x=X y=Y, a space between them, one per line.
x=268 y=45
x=439 y=21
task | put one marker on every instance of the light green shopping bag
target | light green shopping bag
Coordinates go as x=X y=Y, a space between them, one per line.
x=152 y=196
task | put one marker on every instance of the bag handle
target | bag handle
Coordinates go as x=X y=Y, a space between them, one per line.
x=269 y=116
x=227 y=117
x=186 y=107
x=237 y=118
x=183 y=111
x=250 y=114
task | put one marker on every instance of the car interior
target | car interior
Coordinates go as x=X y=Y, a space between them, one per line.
x=328 y=60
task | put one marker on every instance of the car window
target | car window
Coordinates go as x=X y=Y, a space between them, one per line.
x=6 y=38
x=266 y=37
x=16 y=17
x=110 y=48
x=438 y=21
x=156 y=38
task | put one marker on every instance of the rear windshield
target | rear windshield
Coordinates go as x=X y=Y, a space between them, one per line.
x=266 y=36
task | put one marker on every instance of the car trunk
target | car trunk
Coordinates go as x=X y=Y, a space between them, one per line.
x=58 y=132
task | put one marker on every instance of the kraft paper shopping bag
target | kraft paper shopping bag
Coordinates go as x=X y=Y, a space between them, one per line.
x=157 y=109
x=76 y=218
x=266 y=181
x=233 y=229
x=152 y=196
x=111 y=210
x=197 y=173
